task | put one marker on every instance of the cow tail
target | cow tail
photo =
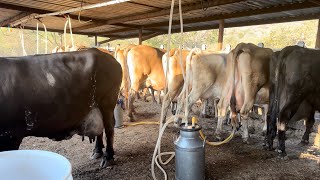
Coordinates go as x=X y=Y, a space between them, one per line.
x=233 y=100
x=274 y=94
x=127 y=78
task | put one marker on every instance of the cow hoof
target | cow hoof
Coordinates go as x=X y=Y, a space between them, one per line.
x=282 y=155
x=303 y=143
x=107 y=163
x=96 y=155
x=246 y=141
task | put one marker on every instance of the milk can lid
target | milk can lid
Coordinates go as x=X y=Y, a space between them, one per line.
x=190 y=128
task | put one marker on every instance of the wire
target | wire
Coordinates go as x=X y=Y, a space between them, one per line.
x=79 y=15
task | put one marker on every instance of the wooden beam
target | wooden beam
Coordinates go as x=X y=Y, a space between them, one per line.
x=140 y=36
x=96 y=40
x=317 y=46
x=56 y=30
x=220 y=37
x=164 y=12
x=106 y=41
x=14 y=18
x=144 y=38
x=155 y=27
x=267 y=10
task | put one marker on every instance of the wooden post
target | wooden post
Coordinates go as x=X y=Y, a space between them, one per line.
x=220 y=37
x=96 y=40
x=140 y=36
x=318 y=36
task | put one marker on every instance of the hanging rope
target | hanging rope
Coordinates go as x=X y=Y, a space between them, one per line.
x=37 y=37
x=65 y=34
x=46 y=35
x=70 y=28
x=22 y=41
x=79 y=15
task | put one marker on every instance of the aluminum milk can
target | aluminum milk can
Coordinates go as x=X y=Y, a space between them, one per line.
x=190 y=154
x=118 y=114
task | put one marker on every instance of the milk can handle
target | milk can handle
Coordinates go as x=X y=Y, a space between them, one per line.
x=204 y=141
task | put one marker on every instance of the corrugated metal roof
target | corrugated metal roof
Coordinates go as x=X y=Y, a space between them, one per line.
x=124 y=19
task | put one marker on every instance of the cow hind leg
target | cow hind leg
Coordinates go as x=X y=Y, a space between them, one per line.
x=286 y=113
x=108 y=120
x=131 y=107
x=309 y=124
x=97 y=151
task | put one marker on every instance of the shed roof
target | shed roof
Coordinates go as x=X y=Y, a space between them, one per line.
x=124 y=20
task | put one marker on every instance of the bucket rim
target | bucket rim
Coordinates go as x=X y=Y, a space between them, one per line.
x=41 y=153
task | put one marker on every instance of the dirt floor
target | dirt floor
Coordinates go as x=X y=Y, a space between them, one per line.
x=134 y=147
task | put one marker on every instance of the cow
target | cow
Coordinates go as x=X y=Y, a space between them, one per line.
x=206 y=76
x=294 y=84
x=174 y=74
x=247 y=83
x=69 y=48
x=57 y=96
x=125 y=84
x=144 y=62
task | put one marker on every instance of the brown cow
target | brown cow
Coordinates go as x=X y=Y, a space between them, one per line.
x=144 y=62
x=125 y=84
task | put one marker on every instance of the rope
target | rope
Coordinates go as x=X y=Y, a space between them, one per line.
x=70 y=28
x=79 y=15
x=46 y=34
x=22 y=41
x=37 y=38
x=65 y=32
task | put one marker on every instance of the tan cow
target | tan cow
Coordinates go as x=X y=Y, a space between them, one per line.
x=125 y=84
x=174 y=74
x=69 y=48
x=248 y=74
x=144 y=62
x=206 y=76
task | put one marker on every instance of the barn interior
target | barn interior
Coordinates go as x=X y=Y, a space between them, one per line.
x=146 y=19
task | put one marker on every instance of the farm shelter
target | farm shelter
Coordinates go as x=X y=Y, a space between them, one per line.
x=146 y=19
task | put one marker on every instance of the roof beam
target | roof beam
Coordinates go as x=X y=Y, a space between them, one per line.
x=41 y=11
x=144 y=38
x=14 y=18
x=295 y=6
x=155 y=26
x=152 y=14
x=57 y=30
x=253 y=22
x=106 y=41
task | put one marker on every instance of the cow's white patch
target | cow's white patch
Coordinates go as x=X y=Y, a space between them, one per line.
x=51 y=80
x=281 y=126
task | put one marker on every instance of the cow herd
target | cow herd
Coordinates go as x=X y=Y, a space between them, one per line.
x=280 y=82
x=61 y=94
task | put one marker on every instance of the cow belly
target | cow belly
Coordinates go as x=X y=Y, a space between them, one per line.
x=92 y=124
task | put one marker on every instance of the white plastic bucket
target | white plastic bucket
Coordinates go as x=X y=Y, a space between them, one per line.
x=34 y=165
